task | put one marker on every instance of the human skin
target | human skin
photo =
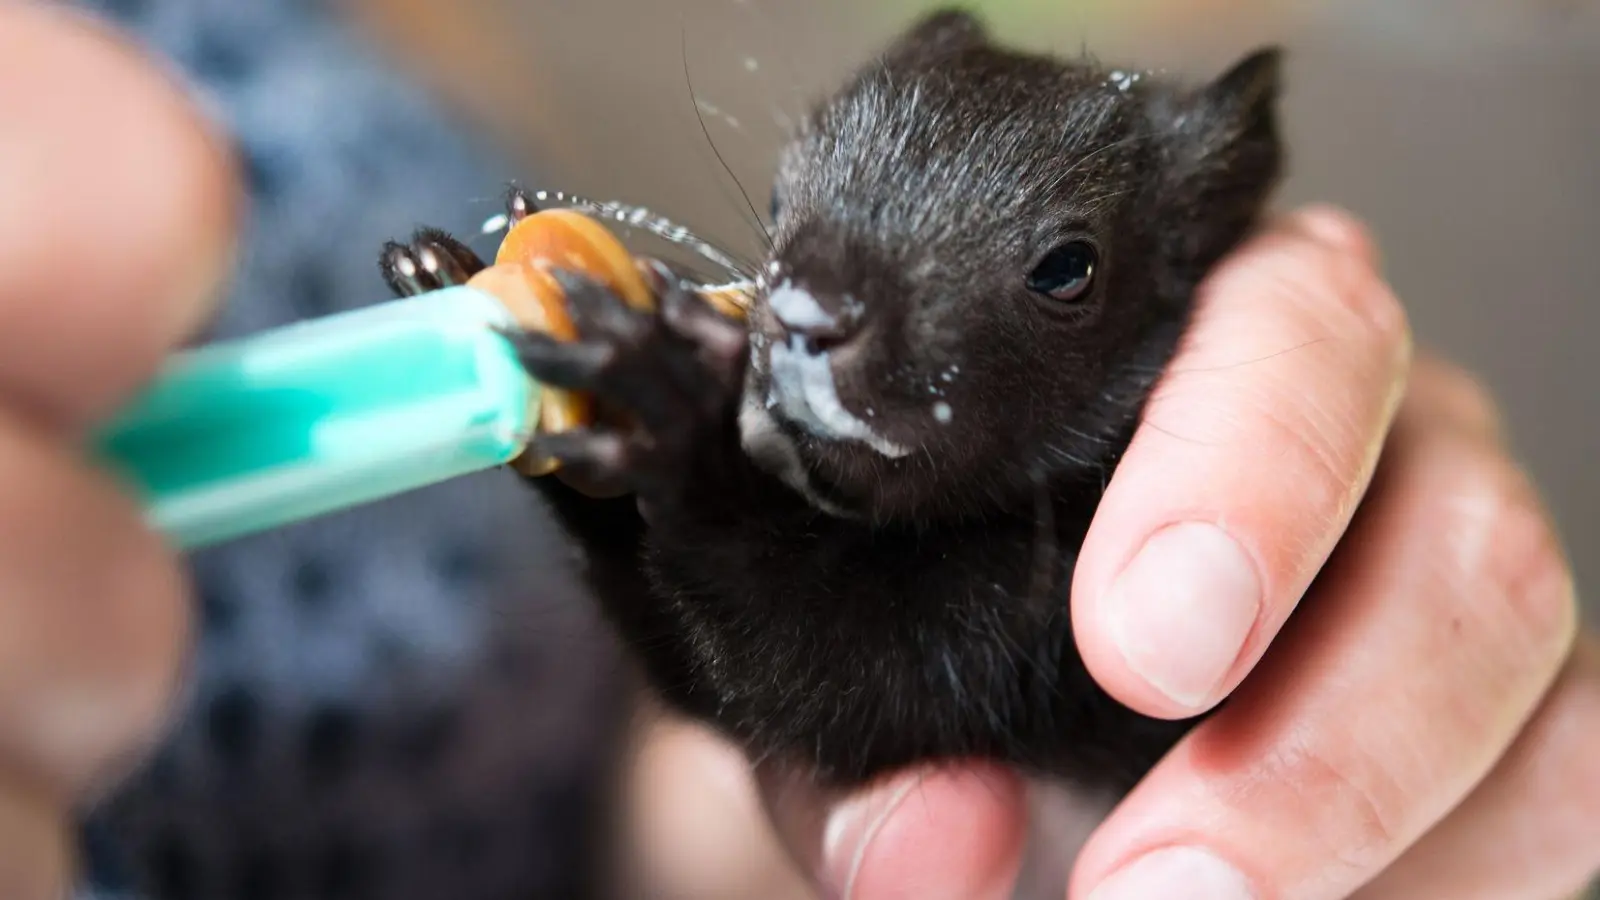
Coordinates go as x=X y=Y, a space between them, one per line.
x=107 y=260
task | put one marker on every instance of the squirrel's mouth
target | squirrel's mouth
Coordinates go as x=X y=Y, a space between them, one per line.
x=802 y=390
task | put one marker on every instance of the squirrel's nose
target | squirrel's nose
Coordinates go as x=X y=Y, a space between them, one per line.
x=818 y=327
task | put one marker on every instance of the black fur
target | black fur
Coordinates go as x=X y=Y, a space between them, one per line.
x=831 y=606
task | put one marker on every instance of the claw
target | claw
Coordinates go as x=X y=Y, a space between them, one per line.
x=519 y=204
x=400 y=270
x=600 y=455
x=573 y=366
x=432 y=260
x=597 y=311
x=447 y=259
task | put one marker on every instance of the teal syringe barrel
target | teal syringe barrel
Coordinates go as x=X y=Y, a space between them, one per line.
x=250 y=434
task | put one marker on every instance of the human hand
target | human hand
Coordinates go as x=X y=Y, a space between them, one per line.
x=116 y=223
x=1424 y=728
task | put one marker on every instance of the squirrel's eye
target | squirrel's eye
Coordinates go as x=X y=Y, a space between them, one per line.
x=1066 y=272
x=774 y=207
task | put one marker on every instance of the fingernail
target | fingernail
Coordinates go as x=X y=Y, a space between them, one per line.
x=850 y=830
x=1182 y=610
x=1186 y=872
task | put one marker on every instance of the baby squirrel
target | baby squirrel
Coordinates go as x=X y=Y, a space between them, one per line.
x=854 y=519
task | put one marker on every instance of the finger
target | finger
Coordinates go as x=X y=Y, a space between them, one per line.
x=950 y=831
x=1529 y=831
x=93 y=618
x=694 y=827
x=35 y=847
x=1422 y=650
x=1443 y=394
x=117 y=220
x=1255 y=449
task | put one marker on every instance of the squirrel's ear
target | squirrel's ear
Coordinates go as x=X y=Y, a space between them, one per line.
x=1226 y=145
x=1235 y=116
x=938 y=33
x=1244 y=100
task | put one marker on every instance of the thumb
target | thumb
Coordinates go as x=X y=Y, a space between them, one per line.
x=930 y=833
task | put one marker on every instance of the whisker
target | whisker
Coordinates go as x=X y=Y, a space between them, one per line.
x=699 y=148
x=1094 y=202
x=1084 y=435
x=688 y=80
x=1148 y=422
x=1092 y=155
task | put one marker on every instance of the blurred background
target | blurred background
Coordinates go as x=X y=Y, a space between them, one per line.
x=413 y=700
